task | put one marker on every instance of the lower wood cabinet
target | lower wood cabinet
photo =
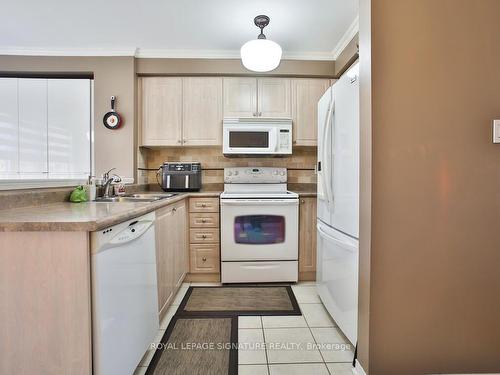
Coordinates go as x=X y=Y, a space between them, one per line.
x=204 y=238
x=171 y=252
x=307 y=239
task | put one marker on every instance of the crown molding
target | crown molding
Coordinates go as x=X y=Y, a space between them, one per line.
x=222 y=54
x=25 y=51
x=346 y=38
x=154 y=53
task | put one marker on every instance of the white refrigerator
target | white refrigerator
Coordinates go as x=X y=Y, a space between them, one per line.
x=338 y=201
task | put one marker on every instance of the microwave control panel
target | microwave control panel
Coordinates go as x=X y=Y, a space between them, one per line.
x=285 y=141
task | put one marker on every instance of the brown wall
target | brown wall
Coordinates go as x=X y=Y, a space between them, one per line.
x=434 y=291
x=112 y=76
x=226 y=67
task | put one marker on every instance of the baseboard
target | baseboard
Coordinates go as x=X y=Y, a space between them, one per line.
x=358 y=370
x=307 y=276
x=203 y=277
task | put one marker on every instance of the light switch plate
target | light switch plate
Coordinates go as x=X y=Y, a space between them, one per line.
x=496 y=131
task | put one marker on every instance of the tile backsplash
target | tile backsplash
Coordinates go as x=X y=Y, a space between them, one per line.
x=301 y=164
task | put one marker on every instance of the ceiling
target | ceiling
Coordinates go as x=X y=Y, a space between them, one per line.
x=306 y=29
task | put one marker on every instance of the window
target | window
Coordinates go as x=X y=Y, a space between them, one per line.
x=45 y=131
x=259 y=229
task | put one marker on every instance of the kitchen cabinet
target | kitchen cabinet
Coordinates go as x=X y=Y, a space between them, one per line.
x=257 y=97
x=307 y=239
x=240 y=97
x=305 y=95
x=204 y=238
x=171 y=252
x=161 y=111
x=202 y=111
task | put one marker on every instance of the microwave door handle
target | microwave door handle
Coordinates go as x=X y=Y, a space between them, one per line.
x=274 y=139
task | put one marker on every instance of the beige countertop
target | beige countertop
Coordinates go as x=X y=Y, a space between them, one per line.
x=92 y=216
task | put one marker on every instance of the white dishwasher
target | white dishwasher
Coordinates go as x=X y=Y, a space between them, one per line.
x=124 y=295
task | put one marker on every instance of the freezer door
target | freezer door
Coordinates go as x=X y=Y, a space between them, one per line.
x=337 y=278
x=324 y=154
x=344 y=165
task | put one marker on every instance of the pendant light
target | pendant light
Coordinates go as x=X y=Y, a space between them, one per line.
x=261 y=54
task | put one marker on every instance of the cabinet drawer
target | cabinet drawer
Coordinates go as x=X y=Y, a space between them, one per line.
x=204 y=205
x=204 y=220
x=208 y=235
x=204 y=258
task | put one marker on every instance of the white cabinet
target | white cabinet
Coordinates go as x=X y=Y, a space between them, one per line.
x=32 y=98
x=202 y=111
x=69 y=111
x=9 y=128
x=305 y=95
x=161 y=111
x=257 y=97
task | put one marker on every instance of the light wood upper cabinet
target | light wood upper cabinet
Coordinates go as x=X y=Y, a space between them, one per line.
x=161 y=115
x=274 y=97
x=202 y=111
x=307 y=239
x=305 y=95
x=240 y=97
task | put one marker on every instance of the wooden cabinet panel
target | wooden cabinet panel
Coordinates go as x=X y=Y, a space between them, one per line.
x=307 y=239
x=164 y=257
x=179 y=231
x=240 y=97
x=204 y=258
x=161 y=116
x=204 y=205
x=305 y=95
x=204 y=235
x=274 y=98
x=204 y=220
x=202 y=111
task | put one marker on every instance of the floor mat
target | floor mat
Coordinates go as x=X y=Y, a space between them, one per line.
x=197 y=346
x=239 y=300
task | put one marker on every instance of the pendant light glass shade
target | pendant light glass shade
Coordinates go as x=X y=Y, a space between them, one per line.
x=261 y=55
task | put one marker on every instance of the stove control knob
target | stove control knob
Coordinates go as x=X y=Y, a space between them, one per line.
x=236 y=173
x=282 y=173
x=229 y=173
x=275 y=173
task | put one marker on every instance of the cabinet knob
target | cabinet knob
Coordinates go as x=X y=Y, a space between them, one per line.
x=204 y=259
x=174 y=209
x=302 y=201
x=260 y=114
x=294 y=142
x=179 y=141
x=203 y=205
x=203 y=236
x=203 y=220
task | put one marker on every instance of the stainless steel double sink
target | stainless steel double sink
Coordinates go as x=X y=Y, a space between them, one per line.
x=144 y=197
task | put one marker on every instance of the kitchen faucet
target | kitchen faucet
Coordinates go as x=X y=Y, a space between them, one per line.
x=108 y=180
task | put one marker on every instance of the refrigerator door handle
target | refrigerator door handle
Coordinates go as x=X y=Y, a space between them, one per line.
x=327 y=165
x=344 y=245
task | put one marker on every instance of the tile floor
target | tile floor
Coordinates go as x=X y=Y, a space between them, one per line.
x=276 y=345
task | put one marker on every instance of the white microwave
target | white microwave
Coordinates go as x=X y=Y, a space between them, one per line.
x=257 y=136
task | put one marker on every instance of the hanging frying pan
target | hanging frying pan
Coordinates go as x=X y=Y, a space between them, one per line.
x=112 y=120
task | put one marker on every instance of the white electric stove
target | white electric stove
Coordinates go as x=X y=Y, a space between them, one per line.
x=259 y=226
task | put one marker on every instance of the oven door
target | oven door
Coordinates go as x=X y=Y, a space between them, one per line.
x=259 y=229
x=250 y=140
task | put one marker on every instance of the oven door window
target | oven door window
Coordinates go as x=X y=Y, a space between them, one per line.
x=249 y=139
x=259 y=229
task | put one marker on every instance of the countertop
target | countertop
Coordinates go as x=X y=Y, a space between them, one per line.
x=92 y=216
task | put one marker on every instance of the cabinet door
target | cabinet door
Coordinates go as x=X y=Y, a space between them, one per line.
x=305 y=96
x=9 y=128
x=33 y=127
x=164 y=256
x=161 y=111
x=240 y=97
x=274 y=97
x=180 y=228
x=202 y=111
x=307 y=239
x=69 y=112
